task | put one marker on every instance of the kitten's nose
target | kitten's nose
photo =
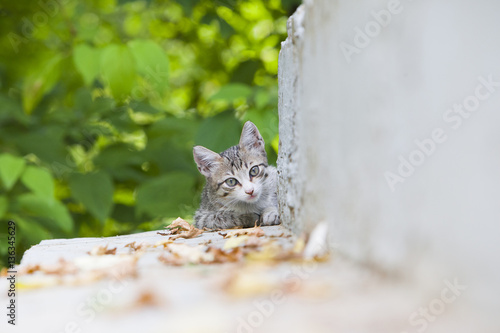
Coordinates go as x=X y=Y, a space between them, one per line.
x=249 y=191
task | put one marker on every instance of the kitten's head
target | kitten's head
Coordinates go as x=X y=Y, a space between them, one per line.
x=238 y=174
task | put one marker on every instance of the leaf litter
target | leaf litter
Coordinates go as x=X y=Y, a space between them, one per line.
x=249 y=247
x=181 y=229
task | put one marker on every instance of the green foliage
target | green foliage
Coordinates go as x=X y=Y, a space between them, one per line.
x=94 y=191
x=165 y=195
x=86 y=59
x=11 y=167
x=48 y=208
x=101 y=104
x=39 y=181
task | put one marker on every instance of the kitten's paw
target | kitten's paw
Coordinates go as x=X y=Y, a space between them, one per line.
x=270 y=216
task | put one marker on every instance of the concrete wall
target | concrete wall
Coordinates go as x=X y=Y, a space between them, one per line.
x=390 y=132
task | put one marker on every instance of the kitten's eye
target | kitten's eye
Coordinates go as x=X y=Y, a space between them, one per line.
x=254 y=171
x=231 y=182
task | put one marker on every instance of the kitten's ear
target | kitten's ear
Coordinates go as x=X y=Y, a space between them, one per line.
x=251 y=138
x=206 y=160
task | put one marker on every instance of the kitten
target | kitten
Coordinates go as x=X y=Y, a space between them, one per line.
x=240 y=187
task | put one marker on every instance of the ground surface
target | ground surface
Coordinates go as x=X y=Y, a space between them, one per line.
x=133 y=290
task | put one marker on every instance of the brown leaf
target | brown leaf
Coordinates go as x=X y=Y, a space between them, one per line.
x=164 y=243
x=147 y=298
x=253 y=241
x=135 y=247
x=255 y=231
x=63 y=267
x=181 y=229
x=179 y=225
x=101 y=250
x=30 y=269
x=171 y=260
x=193 y=232
x=221 y=256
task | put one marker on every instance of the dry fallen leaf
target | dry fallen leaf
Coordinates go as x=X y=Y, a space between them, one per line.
x=164 y=243
x=255 y=231
x=179 y=225
x=101 y=250
x=244 y=241
x=220 y=256
x=30 y=269
x=147 y=298
x=181 y=229
x=192 y=233
x=181 y=254
x=171 y=260
x=135 y=247
x=190 y=254
x=63 y=267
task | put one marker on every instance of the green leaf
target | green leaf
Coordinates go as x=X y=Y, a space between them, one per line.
x=124 y=213
x=86 y=59
x=117 y=155
x=232 y=91
x=11 y=168
x=4 y=205
x=40 y=82
x=48 y=208
x=152 y=62
x=167 y=156
x=39 y=181
x=138 y=106
x=220 y=132
x=179 y=131
x=225 y=29
x=118 y=69
x=95 y=192
x=31 y=230
x=12 y=109
x=165 y=195
x=261 y=99
x=46 y=142
x=188 y=5
x=245 y=72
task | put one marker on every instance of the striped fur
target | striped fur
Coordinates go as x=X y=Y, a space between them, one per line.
x=252 y=199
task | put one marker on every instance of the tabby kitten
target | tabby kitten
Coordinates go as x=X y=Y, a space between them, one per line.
x=240 y=187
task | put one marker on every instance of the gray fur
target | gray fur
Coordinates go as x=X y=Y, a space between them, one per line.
x=252 y=199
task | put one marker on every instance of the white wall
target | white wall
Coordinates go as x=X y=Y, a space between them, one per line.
x=346 y=120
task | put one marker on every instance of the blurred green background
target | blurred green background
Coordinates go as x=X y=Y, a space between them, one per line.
x=101 y=102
